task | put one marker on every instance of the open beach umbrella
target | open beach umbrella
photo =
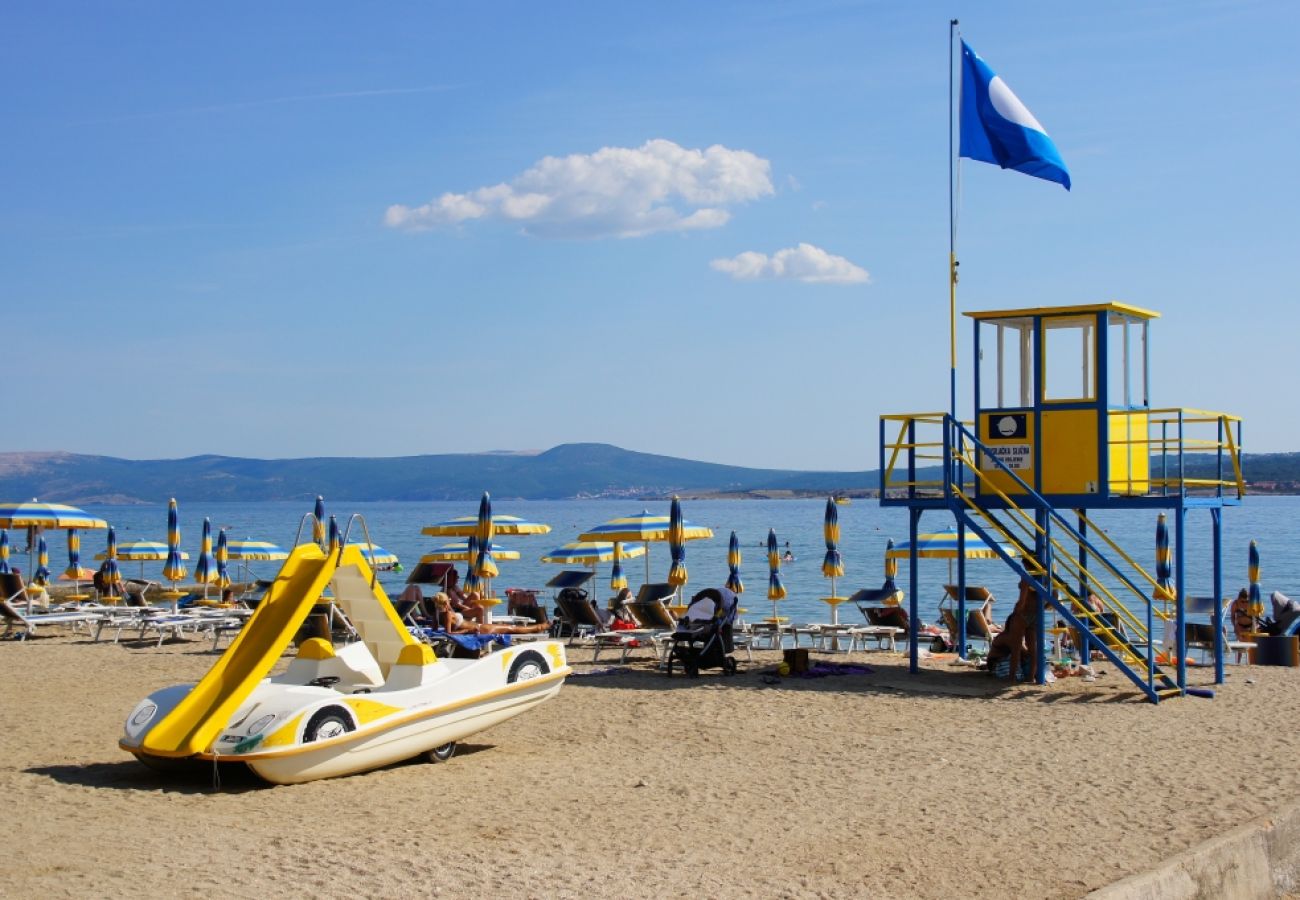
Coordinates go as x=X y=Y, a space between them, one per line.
x=41 y=577
x=375 y=555
x=832 y=563
x=5 y=568
x=734 y=584
x=775 y=589
x=590 y=553
x=318 y=522
x=250 y=551
x=1256 y=607
x=642 y=527
x=205 y=566
x=173 y=569
x=464 y=526
x=139 y=551
x=34 y=516
x=75 y=572
x=459 y=551
x=222 y=556
x=677 y=575
x=943 y=545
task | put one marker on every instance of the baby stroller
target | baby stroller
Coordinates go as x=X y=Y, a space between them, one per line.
x=707 y=644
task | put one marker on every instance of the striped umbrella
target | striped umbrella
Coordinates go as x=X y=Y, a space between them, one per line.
x=335 y=540
x=139 y=551
x=617 y=580
x=472 y=581
x=173 y=569
x=642 y=527
x=108 y=571
x=734 y=584
x=248 y=550
x=832 y=563
x=46 y=515
x=943 y=545
x=891 y=572
x=318 y=522
x=75 y=572
x=458 y=551
x=205 y=567
x=222 y=556
x=1164 y=560
x=375 y=555
x=677 y=575
x=485 y=566
x=775 y=589
x=1256 y=607
x=464 y=526
x=5 y=568
x=41 y=577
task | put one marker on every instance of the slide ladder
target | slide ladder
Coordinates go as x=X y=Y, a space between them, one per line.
x=1125 y=633
x=368 y=609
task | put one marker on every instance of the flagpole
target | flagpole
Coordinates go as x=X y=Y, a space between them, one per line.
x=952 y=234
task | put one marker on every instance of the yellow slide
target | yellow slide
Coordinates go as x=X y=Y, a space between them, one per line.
x=197 y=720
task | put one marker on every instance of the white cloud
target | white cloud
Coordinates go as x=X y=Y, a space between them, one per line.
x=802 y=263
x=614 y=192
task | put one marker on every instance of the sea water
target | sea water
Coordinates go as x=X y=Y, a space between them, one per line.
x=1273 y=521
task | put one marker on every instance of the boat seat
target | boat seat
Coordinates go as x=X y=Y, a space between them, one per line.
x=351 y=664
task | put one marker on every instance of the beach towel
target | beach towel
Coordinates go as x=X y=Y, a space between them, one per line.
x=474 y=643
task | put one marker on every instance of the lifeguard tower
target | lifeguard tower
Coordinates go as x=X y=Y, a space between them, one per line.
x=1063 y=425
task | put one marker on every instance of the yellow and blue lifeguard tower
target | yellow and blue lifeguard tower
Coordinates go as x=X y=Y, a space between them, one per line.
x=1063 y=426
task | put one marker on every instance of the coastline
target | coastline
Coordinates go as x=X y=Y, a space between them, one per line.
x=883 y=784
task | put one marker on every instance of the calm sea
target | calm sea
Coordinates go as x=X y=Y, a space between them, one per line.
x=864 y=526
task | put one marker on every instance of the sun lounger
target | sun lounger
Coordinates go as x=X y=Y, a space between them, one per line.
x=30 y=624
x=587 y=626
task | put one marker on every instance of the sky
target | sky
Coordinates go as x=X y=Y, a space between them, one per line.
x=717 y=231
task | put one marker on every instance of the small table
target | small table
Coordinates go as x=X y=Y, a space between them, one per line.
x=487 y=603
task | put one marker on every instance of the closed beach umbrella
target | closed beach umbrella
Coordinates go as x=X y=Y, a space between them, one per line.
x=318 y=522
x=1256 y=607
x=891 y=572
x=472 y=582
x=205 y=566
x=775 y=589
x=1164 y=560
x=677 y=575
x=5 y=568
x=832 y=563
x=335 y=539
x=617 y=580
x=734 y=584
x=75 y=572
x=222 y=556
x=486 y=567
x=173 y=569
x=41 y=577
x=108 y=571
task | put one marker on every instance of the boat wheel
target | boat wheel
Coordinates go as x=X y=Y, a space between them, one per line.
x=443 y=753
x=327 y=722
x=527 y=666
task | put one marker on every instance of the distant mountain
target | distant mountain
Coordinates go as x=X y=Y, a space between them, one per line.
x=569 y=470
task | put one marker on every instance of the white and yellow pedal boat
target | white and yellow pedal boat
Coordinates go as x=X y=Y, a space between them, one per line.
x=333 y=711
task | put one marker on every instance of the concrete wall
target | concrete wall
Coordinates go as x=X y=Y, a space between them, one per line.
x=1258 y=860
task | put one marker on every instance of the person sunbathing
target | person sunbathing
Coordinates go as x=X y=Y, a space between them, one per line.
x=461 y=602
x=453 y=622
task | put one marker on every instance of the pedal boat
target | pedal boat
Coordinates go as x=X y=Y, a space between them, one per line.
x=335 y=711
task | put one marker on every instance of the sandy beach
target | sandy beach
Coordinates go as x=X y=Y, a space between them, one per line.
x=631 y=784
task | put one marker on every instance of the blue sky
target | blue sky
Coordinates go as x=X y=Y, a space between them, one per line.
x=317 y=229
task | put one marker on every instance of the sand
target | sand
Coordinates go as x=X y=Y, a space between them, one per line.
x=948 y=784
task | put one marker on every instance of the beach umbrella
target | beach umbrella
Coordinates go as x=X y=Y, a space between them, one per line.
x=617 y=580
x=250 y=550
x=458 y=551
x=775 y=589
x=74 y=572
x=205 y=567
x=943 y=545
x=139 y=551
x=464 y=526
x=1164 y=560
x=335 y=540
x=318 y=522
x=41 y=577
x=108 y=571
x=1256 y=607
x=375 y=555
x=485 y=565
x=590 y=553
x=832 y=563
x=471 y=582
x=677 y=575
x=222 y=556
x=34 y=516
x=173 y=569
x=734 y=584
x=642 y=527
x=5 y=568
x=891 y=572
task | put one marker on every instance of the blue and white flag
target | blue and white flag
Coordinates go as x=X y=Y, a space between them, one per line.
x=997 y=128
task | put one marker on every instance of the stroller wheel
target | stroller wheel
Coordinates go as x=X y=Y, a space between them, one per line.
x=729 y=666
